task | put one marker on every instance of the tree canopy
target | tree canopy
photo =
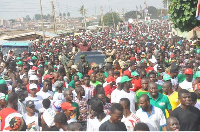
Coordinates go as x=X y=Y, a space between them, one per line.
x=108 y=19
x=182 y=14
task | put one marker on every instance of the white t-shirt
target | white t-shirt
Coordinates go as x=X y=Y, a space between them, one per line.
x=186 y=85
x=94 y=124
x=45 y=95
x=131 y=96
x=115 y=96
x=58 y=96
x=174 y=83
x=37 y=101
x=32 y=121
x=155 y=120
x=130 y=121
x=89 y=91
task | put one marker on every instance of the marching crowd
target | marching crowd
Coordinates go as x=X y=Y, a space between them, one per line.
x=150 y=82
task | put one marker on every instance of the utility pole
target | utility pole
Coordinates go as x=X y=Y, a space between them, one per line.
x=123 y=14
x=113 y=18
x=42 y=20
x=53 y=14
x=102 y=22
x=84 y=18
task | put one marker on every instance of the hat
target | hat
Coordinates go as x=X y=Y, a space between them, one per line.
x=82 y=56
x=48 y=117
x=67 y=106
x=188 y=71
x=197 y=74
x=33 y=77
x=187 y=52
x=19 y=63
x=57 y=105
x=118 y=80
x=127 y=73
x=174 y=68
x=74 y=67
x=132 y=58
x=2 y=81
x=34 y=68
x=47 y=76
x=2 y=96
x=16 y=124
x=95 y=65
x=166 y=77
x=18 y=58
x=172 y=56
x=153 y=60
x=125 y=79
x=110 y=79
x=143 y=54
x=134 y=73
x=30 y=103
x=34 y=58
x=109 y=60
x=159 y=67
x=32 y=86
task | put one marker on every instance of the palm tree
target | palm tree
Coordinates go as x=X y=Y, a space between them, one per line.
x=81 y=10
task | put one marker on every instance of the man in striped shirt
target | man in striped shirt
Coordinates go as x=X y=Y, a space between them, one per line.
x=129 y=118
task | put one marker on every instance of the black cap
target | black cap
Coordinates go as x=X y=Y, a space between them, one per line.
x=30 y=103
x=159 y=67
x=174 y=68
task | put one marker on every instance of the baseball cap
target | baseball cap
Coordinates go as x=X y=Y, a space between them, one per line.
x=20 y=63
x=188 y=71
x=34 y=58
x=134 y=73
x=30 y=103
x=118 y=80
x=125 y=79
x=174 y=68
x=33 y=86
x=67 y=106
x=74 y=67
x=18 y=58
x=47 y=76
x=127 y=73
x=110 y=79
x=2 y=81
x=166 y=77
x=159 y=67
x=34 y=68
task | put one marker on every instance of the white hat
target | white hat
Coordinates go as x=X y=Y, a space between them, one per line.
x=32 y=86
x=118 y=80
x=74 y=67
x=48 y=117
x=2 y=96
x=33 y=77
x=31 y=72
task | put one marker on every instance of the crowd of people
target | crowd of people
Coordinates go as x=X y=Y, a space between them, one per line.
x=149 y=82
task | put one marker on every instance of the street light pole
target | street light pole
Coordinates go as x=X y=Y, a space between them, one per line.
x=42 y=20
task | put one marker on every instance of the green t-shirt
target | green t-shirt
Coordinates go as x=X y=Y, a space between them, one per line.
x=80 y=75
x=161 y=102
x=181 y=78
x=160 y=88
x=71 y=84
x=74 y=104
x=95 y=84
x=106 y=74
x=139 y=93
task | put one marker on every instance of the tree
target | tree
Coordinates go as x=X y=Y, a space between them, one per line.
x=27 y=19
x=64 y=14
x=132 y=14
x=108 y=19
x=60 y=14
x=37 y=16
x=182 y=14
x=153 y=11
x=81 y=10
x=68 y=15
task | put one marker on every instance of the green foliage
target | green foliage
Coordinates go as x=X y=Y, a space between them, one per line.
x=108 y=19
x=81 y=10
x=68 y=14
x=153 y=11
x=182 y=14
x=132 y=14
x=165 y=3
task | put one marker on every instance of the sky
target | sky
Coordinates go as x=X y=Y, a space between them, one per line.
x=11 y=9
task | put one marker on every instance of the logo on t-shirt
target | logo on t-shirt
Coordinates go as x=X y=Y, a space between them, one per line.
x=162 y=103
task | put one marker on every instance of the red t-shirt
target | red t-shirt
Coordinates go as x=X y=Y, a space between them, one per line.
x=137 y=84
x=108 y=89
x=3 y=114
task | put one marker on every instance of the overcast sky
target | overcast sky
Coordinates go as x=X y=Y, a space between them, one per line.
x=20 y=8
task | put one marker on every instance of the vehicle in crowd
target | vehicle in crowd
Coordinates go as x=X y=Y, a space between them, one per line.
x=91 y=56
